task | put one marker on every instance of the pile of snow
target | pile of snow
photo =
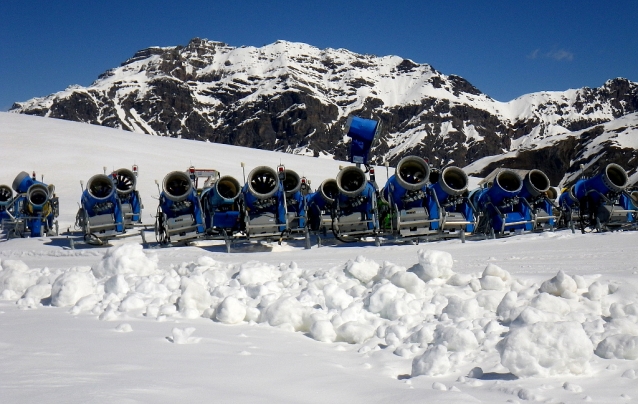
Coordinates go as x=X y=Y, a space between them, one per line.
x=443 y=322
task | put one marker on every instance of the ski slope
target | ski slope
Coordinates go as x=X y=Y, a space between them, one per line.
x=543 y=318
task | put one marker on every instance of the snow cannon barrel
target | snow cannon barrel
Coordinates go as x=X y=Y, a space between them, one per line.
x=326 y=195
x=292 y=183
x=37 y=193
x=263 y=182
x=613 y=179
x=551 y=193
x=177 y=186
x=407 y=186
x=507 y=184
x=125 y=181
x=225 y=191
x=351 y=181
x=363 y=133
x=6 y=196
x=535 y=183
x=452 y=181
x=100 y=187
x=567 y=198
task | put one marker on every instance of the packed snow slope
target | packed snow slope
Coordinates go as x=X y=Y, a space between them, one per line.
x=542 y=318
x=295 y=98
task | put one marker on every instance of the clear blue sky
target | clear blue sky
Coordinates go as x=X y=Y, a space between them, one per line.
x=505 y=48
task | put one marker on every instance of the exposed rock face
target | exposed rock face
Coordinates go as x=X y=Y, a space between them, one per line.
x=295 y=98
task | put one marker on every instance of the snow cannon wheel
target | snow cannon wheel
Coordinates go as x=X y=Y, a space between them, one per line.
x=177 y=186
x=125 y=181
x=453 y=181
x=100 y=187
x=292 y=182
x=536 y=182
x=413 y=173
x=351 y=181
x=263 y=182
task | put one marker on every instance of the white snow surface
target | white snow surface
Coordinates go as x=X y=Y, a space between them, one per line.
x=549 y=317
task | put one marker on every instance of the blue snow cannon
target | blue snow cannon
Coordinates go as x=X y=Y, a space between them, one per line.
x=600 y=199
x=407 y=194
x=354 y=212
x=35 y=207
x=264 y=204
x=125 y=187
x=449 y=204
x=295 y=189
x=221 y=207
x=500 y=205
x=319 y=205
x=100 y=215
x=535 y=193
x=179 y=217
x=363 y=133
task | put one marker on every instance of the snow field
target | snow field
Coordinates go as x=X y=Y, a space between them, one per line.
x=444 y=322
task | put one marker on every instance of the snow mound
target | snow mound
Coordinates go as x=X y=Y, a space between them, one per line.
x=127 y=259
x=546 y=349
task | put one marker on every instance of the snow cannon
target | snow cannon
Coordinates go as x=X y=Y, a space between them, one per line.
x=179 y=214
x=500 y=205
x=613 y=180
x=629 y=202
x=406 y=188
x=125 y=186
x=354 y=212
x=450 y=205
x=295 y=200
x=100 y=215
x=406 y=193
x=34 y=208
x=265 y=203
x=320 y=204
x=363 y=133
x=535 y=192
x=221 y=207
x=600 y=200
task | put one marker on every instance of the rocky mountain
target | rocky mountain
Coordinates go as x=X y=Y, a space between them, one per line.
x=295 y=98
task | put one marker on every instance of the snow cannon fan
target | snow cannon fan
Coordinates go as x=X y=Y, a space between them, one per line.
x=177 y=186
x=363 y=133
x=351 y=181
x=263 y=182
x=406 y=188
x=125 y=180
x=506 y=186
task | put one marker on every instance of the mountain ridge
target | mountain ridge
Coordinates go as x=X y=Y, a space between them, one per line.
x=295 y=98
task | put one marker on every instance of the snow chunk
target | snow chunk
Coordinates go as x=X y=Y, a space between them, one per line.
x=354 y=332
x=70 y=287
x=362 y=269
x=323 y=331
x=257 y=273
x=433 y=362
x=434 y=264
x=546 y=349
x=16 y=276
x=183 y=336
x=560 y=285
x=619 y=346
x=494 y=278
x=124 y=260
x=231 y=311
